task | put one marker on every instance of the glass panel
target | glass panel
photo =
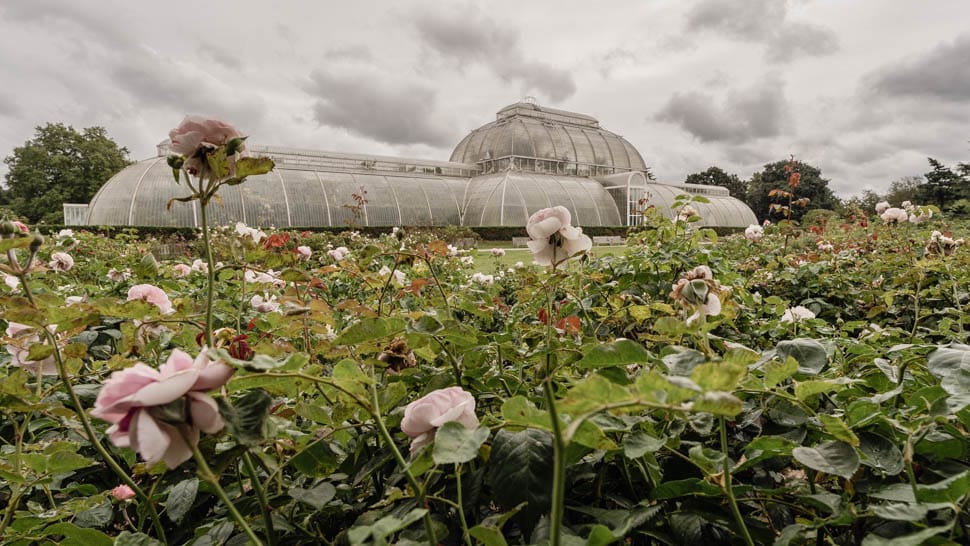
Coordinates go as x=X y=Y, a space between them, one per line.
x=601 y=151
x=521 y=140
x=582 y=149
x=544 y=145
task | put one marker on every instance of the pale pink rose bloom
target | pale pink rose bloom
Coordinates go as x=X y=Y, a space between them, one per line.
x=894 y=215
x=423 y=416
x=200 y=265
x=61 y=261
x=553 y=239
x=22 y=337
x=264 y=303
x=243 y=230
x=797 y=313
x=338 y=253
x=198 y=131
x=181 y=270
x=481 y=278
x=754 y=233
x=881 y=207
x=73 y=300
x=11 y=281
x=123 y=492
x=119 y=276
x=304 y=252
x=497 y=252
x=128 y=396
x=151 y=294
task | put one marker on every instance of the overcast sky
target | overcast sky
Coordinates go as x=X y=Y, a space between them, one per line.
x=863 y=89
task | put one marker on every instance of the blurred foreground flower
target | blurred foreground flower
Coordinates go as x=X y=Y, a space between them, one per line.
x=554 y=240
x=423 y=416
x=160 y=413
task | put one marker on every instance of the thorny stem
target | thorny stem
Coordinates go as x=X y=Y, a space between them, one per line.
x=461 y=507
x=726 y=466
x=210 y=271
x=93 y=439
x=261 y=495
x=206 y=474
x=558 y=446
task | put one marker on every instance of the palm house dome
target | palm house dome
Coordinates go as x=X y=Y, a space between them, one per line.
x=528 y=159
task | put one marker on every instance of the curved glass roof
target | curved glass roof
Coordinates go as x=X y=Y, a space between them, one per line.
x=286 y=197
x=723 y=210
x=564 y=142
x=509 y=198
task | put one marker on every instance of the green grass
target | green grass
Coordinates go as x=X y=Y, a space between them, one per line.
x=488 y=264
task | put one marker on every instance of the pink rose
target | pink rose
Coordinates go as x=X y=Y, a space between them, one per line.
x=196 y=132
x=304 y=252
x=181 y=270
x=61 y=261
x=423 y=416
x=123 y=492
x=160 y=413
x=22 y=337
x=338 y=253
x=553 y=239
x=153 y=295
x=894 y=215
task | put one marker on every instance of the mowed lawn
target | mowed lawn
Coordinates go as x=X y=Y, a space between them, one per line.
x=486 y=263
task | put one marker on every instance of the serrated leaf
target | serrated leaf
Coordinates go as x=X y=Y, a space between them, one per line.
x=520 y=470
x=39 y=351
x=718 y=403
x=77 y=536
x=809 y=353
x=951 y=489
x=246 y=417
x=316 y=460
x=901 y=511
x=778 y=371
x=836 y=458
x=880 y=453
x=838 y=429
x=718 y=376
x=249 y=166
x=317 y=496
x=369 y=329
x=180 y=499
x=640 y=443
x=455 y=443
x=621 y=352
x=913 y=539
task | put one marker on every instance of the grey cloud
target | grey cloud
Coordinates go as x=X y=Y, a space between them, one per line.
x=68 y=14
x=942 y=73
x=349 y=53
x=8 y=107
x=751 y=20
x=220 y=55
x=801 y=39
x=764 y=21
x=377 y=107
x=743 y=116
x=472 y=37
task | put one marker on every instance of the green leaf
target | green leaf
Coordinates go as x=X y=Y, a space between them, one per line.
x=838 y=429
x=490 y=530
x=39 y=351
x=600 y=535
x=519 y=411
x=520 y=470
x=676 y=489
x=836 y=458
x=147 y=267
x=316 y=460
x=246 y=418
x=127 y=538
x=455 y=443
x=77 y=536
x=718 y=403
x=880 y=453
x=901 y=511
x=383 y=528
x=951 y=489
x=369 y=329
x=765 y=447
x=317 y=496
x=778 y=371
x=913 y=539
x=806 y=389
x=249 y=166
x=621 y=352
x=98 y=516
x=683 y=361
x=427 y=324
x=947 y=361
x=640 y=443
x=718 y=376
x=809 y=353
x=20 y=241
x=180 y=499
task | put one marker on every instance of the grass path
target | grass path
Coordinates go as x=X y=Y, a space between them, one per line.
x=486 y=263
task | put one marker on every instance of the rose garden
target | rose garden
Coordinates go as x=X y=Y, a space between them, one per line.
x=791 y=384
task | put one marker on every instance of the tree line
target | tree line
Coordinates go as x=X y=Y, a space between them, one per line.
x=62 y=165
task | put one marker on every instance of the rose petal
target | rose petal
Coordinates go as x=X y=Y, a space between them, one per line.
x=148 y=438
x=165 y=390
x=205 y=413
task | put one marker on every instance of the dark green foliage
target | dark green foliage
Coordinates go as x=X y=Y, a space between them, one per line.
x=811 y=186
x=715 y=176
x=59 y=165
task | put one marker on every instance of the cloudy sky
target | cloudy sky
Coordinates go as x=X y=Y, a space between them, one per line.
x=863 y=89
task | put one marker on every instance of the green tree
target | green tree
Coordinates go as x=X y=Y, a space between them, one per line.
x=943 y=186
x=59 y=165
x=811 y=186
x=715 y=176
x=904 y=189
x=865 y=201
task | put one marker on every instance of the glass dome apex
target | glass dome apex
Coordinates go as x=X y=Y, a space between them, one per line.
x=530 y=137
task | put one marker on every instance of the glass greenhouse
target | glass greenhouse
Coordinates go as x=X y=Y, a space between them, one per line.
x=529 y=158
